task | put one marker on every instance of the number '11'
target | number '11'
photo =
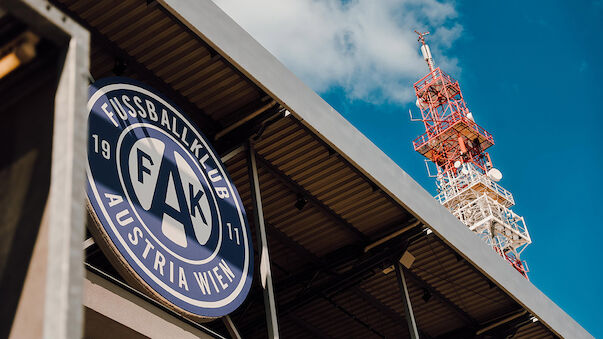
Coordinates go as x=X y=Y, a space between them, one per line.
x=236 y=231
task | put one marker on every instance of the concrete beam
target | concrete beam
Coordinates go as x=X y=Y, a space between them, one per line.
x=65 y=207
x=134 y=312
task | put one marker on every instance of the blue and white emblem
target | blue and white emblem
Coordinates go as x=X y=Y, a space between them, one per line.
x=168 y=215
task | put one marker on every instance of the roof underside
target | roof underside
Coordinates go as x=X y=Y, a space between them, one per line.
x=327 y=285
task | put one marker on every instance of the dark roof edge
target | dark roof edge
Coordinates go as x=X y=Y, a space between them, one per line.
x=213 y=25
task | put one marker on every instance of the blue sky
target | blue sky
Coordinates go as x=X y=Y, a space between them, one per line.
x=530 y=73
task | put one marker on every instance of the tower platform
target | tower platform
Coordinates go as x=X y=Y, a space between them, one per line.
x=447 y=132
x=475 y=183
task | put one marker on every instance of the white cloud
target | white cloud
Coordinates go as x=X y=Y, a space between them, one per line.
x=366 y=47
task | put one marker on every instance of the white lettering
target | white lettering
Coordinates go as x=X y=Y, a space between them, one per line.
x=151 y=109
x=184 y=130
x=213 y=177
x=226 y=269
x=126 y=101
x=109 y=114
x=174 y=127
x=120 y=110
x=213 y=282
x=137 y=234
x=182 y=278
x=203 y=283
x=215 y=270
x=147 y=249
x=141 y=111
x=203 y=160
x=164 y=119
x=222 y=192
x=195 y=147
x=120 y=218
x=114 y=199
x=159 y=262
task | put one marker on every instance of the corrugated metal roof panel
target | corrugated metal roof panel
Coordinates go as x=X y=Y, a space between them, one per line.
x=167 y=48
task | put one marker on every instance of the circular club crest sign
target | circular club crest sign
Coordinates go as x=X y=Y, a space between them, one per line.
x=167 y=214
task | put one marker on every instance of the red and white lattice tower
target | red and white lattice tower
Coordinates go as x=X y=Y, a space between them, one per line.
x=466 y=179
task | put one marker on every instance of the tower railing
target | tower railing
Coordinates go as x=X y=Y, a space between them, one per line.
x=428 y=80
x=485 y=211
x=441 y=128
x=461 y=183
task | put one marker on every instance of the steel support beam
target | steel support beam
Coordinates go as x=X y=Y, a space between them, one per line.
x=337 y=283
x=328 y=263
x=308 y=328
x=302 y=251
x=410 y=317
x=352 y=316
x=502 y=327
x=320 y=265
x=363 y=269
x=296 y=188
x=445 y=301
x=244 y=119
x=340 y=155
x=385 y=310
x=284 y=239
x=231 y=328
x=265 y=272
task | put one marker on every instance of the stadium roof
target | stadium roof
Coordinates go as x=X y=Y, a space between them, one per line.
x=330 y=257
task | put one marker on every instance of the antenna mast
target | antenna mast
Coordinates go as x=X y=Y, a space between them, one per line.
x=425 y=50
x=466 y=180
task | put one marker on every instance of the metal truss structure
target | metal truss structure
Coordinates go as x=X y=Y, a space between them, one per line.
x=466 y=179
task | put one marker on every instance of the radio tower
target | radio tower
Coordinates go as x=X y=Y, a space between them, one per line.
x=466 y=179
